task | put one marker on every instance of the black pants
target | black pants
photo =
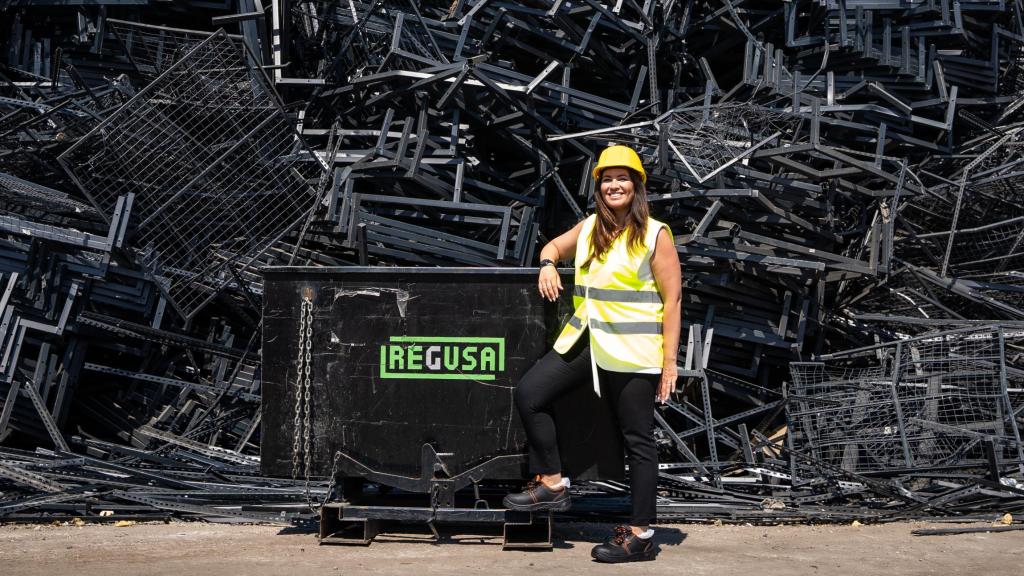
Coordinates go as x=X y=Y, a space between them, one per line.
x=632 y=401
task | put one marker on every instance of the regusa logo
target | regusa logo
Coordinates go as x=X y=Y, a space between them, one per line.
x=442 y=357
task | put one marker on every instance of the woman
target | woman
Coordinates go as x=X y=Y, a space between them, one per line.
x=627 y=297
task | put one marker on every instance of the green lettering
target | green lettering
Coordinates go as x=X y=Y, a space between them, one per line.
x=396 y=360
x=487 y=358
x=451 y=358
x=442 y=357
x=415 y=357
x=469 y=358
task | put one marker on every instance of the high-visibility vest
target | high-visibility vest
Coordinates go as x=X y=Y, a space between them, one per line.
x=618 y=300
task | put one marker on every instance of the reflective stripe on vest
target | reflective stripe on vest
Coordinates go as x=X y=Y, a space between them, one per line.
x=627 y=327
x=619 y=301
x=618 y=295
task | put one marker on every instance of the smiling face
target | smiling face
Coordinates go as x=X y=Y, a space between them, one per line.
x=617 y=189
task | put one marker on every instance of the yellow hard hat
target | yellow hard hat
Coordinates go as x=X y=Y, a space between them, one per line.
x=619 y=156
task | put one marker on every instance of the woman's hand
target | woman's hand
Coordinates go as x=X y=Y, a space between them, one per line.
x=669 y=373
x=549 y=283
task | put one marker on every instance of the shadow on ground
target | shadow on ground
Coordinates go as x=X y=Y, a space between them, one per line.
x=565 y=535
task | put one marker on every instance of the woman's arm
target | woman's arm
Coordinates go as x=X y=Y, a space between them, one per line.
x=549 y=283
x=668 y=276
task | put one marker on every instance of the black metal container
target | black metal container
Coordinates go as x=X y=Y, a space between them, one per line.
x=411 y=376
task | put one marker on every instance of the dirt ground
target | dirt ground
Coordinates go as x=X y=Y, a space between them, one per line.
x=691 y=550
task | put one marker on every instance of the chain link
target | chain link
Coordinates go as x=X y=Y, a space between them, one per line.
x=307 y=385
x=330 y=487
x=301 y=423
x=297 y=423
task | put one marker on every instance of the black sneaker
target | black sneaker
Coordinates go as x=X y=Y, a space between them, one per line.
x=536 y=496
x=624 y=546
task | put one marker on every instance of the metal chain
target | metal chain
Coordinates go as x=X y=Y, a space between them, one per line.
x=330 y=487
x=307 y=305
x=300 y=424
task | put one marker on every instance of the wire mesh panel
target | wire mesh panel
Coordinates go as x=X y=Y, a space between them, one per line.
x=19 y=196
x=154 y=49
x=931 y=401
x=209 y=152
x=1006 y=287
x=707 y=140
x=994 y=246
x=919 y=293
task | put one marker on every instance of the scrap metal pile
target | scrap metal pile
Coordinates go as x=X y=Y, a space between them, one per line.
x=841 y=178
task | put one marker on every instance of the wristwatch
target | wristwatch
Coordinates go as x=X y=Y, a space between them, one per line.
x=546 y=262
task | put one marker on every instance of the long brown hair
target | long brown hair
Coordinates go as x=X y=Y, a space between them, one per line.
x=605 y=230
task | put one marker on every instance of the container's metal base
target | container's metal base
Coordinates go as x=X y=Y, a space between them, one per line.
x=342 y=523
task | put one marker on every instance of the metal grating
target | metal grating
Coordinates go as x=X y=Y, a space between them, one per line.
x=207 y=150
x=929 y=401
